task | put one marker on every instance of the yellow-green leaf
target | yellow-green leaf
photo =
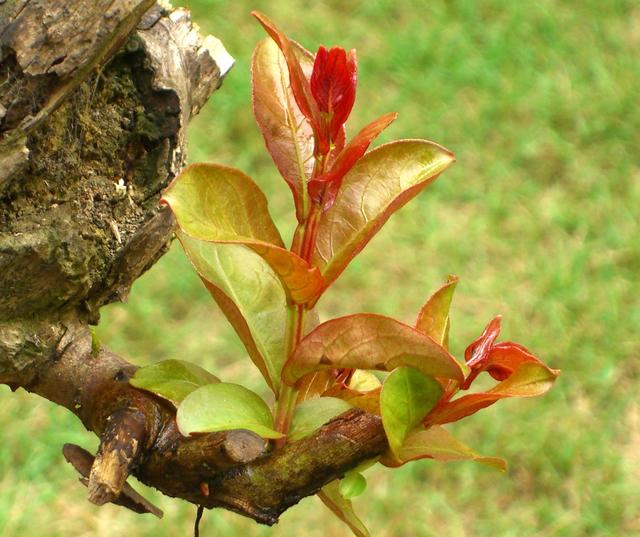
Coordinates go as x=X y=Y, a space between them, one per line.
x=223 y=205
x=433 y=318
x=224 y=407
x=369 y=341
x=379 y=184
x=313 y=414
x=353 y=484
x=437 y=443
x=342 y=508
x=249 y=293
x=406 y=398
x=172 y=379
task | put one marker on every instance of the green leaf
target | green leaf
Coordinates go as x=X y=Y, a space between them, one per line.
x=379 y=184
x=433 y=318
x=223 y=205
x=407 y=397
x=369 y=341
x=224 y=407
x=313 y=414
x=342 y=508
x=352 y=485
x=287 y=133
x=437 y=443
x=172 y=379
x=250 y=295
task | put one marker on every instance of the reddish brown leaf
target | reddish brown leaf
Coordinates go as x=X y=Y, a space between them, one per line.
x=288 y=134
x=369 y=341
x=528 y=380
x=299 y=82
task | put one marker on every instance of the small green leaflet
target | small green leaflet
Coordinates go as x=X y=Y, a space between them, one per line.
x=406 y=398
x=224 y=407
x=172 y=379
x=352 y=485
x=313 y=414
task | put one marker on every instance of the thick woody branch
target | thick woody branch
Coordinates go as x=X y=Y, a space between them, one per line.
x=236 y=470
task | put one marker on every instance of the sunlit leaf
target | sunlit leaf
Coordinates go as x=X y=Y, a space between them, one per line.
x=529 y=380
x=313 y=414
x=364 y=381
x=407 y=397
x=437 y=443
x=224 y=407
x=352 y=485
x=380 y=183
x=433 y=318
x=342 y=508
x=220 y=204
x=250 y=295
x=287 y=132
x=369 y=341
x=172 y=379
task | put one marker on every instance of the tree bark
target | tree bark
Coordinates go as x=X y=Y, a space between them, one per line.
x=95 y=96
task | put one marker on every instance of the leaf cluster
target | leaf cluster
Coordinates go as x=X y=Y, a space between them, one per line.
x=343 y=194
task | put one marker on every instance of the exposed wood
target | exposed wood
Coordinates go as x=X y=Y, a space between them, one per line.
x=82 y=461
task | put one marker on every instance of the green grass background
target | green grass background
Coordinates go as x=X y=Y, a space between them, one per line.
x=538 y=217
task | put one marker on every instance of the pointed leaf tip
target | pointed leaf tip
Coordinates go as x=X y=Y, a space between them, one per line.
x=433 y=318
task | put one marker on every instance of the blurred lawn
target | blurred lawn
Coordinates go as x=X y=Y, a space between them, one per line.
x=539 y=218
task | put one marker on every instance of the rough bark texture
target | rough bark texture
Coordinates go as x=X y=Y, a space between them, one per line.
x=95 y=96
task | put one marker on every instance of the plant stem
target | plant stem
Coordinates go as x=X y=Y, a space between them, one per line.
x=287 y=396
x=303 y=245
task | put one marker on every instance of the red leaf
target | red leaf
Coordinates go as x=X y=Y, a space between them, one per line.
x=528 y=380
x=504 y=358
x=476 y=353
x=333 y=85
x=324 y=189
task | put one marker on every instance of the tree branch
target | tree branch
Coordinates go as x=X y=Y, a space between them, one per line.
x=92 y=128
